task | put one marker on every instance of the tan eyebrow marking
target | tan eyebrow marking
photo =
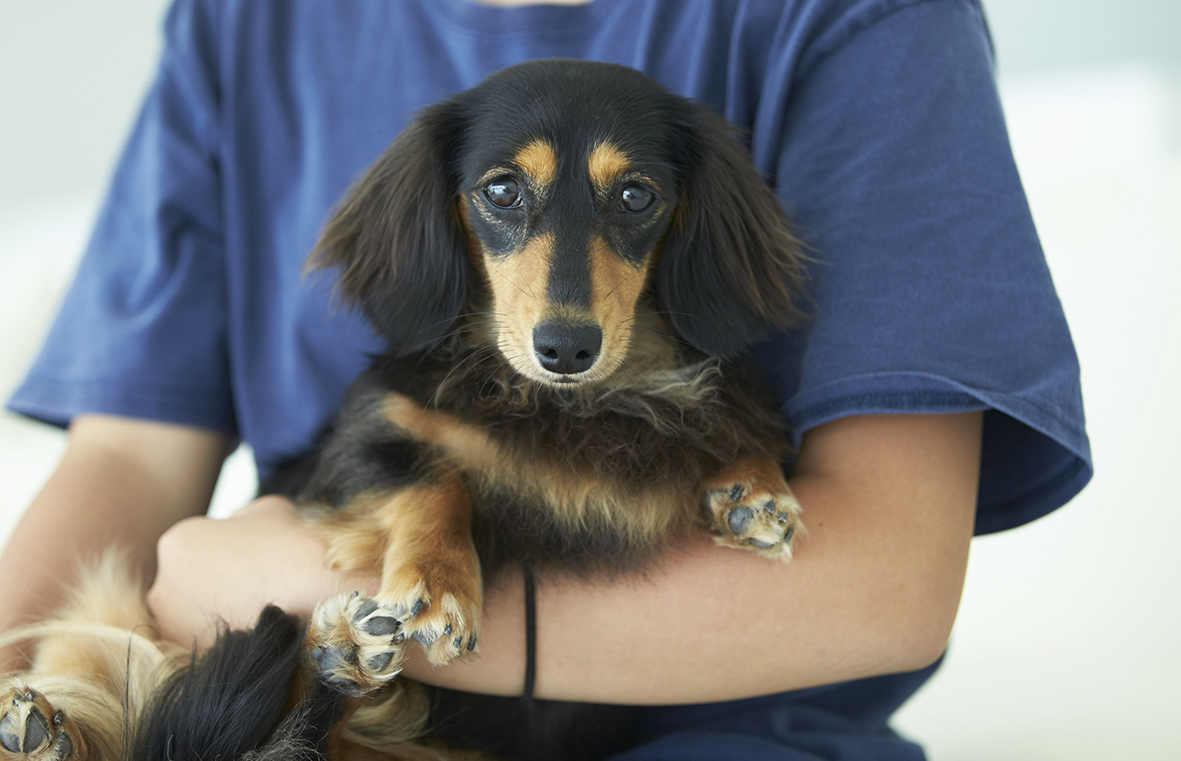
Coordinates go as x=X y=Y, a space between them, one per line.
x=606 y=162
x=539 y=159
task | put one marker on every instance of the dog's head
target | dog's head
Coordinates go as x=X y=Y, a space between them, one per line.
x=548 y=204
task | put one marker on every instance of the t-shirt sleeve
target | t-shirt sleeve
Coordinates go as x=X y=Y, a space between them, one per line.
x=142 y=329
x=931 y=292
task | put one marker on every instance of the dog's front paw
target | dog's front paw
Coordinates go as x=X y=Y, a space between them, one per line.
x=750 y=515
x=356 y=645
x=439 y=602
x=33 y=729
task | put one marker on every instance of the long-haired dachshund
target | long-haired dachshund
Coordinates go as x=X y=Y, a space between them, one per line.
x=566 y=263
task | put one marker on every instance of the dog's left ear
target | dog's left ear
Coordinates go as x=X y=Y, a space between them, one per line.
x=730 y=268
x=396 y=240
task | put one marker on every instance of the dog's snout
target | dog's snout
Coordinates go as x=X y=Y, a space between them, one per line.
x=567 y=348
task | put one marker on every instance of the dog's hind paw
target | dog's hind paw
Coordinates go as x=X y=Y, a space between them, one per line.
x=355 y=644
x=30 y=728
x=748 y=515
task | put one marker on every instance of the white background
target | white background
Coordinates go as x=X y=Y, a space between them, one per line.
x=1068 y=644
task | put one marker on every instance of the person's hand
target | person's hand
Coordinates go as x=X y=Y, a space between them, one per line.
x=211 y=571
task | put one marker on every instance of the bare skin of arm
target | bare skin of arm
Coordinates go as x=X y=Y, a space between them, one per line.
x=889 y=503
x=121 y=481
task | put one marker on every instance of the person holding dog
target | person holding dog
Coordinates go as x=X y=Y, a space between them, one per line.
x=933 y=395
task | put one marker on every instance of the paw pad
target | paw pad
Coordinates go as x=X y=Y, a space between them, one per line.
x=358 y=644
x=745 y=515
x=29 y=725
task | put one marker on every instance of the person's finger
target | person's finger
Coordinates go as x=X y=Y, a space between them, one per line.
x=270 y=506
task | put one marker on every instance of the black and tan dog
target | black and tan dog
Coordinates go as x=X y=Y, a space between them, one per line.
x=566 y=263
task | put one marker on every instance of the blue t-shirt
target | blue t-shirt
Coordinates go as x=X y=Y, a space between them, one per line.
x=877 y=122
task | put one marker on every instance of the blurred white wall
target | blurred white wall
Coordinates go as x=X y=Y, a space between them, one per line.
x=1066 y=644
x=1038 y=35
x=71 y=73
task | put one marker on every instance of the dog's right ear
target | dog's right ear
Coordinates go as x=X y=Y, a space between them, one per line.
x=396 y=240
x=730 y=269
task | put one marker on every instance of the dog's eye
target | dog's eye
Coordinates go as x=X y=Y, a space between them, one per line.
x=635 y=198
x=503 y=192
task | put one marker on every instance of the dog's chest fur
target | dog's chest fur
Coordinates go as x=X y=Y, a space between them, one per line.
x=581 y=481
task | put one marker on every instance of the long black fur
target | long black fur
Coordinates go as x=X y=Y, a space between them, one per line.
x=729 y=270
x=229 y=701
x=414 y=278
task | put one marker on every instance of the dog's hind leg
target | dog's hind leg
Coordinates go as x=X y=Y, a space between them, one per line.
x=355 y=645
x=32 y=728
x=109 y=593
x=373 y=718
x=95 y=659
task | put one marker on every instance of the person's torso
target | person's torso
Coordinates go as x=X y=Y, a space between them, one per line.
x=310 y=93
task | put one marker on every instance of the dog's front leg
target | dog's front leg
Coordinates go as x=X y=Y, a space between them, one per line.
x=430 y=591
x=750 y=506
x=431 y=574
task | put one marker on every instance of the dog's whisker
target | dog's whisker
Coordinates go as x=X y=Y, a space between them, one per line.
x=459 y=317
x=486 y=351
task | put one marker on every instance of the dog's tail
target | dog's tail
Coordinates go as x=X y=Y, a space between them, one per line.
x=240 y=700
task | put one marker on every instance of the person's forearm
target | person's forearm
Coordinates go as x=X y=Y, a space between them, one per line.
x=889 y=507
x=110 y=488
x=865 y=595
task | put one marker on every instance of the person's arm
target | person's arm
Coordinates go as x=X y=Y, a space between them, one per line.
x=889 y=504
x=120 y=482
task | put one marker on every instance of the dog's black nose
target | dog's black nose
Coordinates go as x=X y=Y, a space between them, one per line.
x=566 y=348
